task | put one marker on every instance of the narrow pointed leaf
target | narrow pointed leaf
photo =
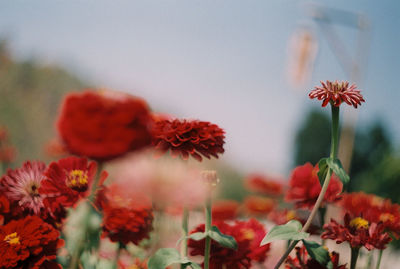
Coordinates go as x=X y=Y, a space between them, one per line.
x=195 y=236
x=322 y=170
x=317 y=252
x=224 y=240
x=288 y=231
x=338 y=169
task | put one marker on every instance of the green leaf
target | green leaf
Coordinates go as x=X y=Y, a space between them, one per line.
x=288 y=231
x=194 y=265
x=195 y=236
x=337 y=168
x=317 y=252
x=163 y=258
x=224 y=240
x=323 y=170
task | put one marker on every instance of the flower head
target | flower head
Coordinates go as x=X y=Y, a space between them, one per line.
x=184 y=138
x=225 y=210
x=29 y=243
x=248 y=235
x=265 y=185
x=304 y=187
x=357 y=232
x=258 y=205
x=104 y=125
x=337 y=92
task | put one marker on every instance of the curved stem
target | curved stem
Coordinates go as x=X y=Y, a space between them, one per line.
x=378 y=263
x=207 y=229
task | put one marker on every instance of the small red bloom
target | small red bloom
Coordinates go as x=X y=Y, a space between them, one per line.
x=258 y=205
x=137 y=264
x=304 y=187
x=67 y=180
x=29 y=243
x=358 y=232
x=184 y=138
x=248 y=235
x=126 y=218
x=104 y=125
x=225 y=210
x=264 y=185
x=337 y=92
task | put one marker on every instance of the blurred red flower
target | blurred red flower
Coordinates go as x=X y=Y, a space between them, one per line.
x=304 y=187
x=137 y=264
x=337 y=92
x=126 y=218
x=29 y=243
x=357 y=232
x=258 y=205
x=184 y=138
x=104 y=125
x=248 y=235
x=225 y=210
x=261 y=184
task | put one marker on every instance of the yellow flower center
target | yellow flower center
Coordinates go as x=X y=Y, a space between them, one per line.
x=77 y=179
x=248 y=234
x=291 y=214
x=133 y=267
x=386 y=217
x=359 y=223
x=12 y=239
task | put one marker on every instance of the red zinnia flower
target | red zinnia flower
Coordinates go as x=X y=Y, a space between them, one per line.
x=248 y=235
x=29 y=243
x=225 y=210
x=258 y=205
x=304 y=187
x=337 y=92
x=137 y=264
x=186 y=138
x=264 y=185
x=104 y=125
x=358 y=232
x=67 y=180
x=126 y=218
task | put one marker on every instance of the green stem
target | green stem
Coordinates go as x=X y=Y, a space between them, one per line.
x=185 y=233
x=334 y=146
x=117 y=254
x=322 y=213
x=378 y=263
x=207 y=229
x=354 y=257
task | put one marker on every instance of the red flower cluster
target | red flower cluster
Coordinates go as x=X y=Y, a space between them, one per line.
x=358 y=232
x=186 y=138
x=258 y=205
x=248 y=236
x=336 y=93
x=303 y=261
x=126 y=218
x=104 y=125
x=264 y=185
x=29 y=243
x=225 y=210
x=304 y=187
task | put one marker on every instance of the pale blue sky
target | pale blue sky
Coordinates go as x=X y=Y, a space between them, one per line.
x=222 y=61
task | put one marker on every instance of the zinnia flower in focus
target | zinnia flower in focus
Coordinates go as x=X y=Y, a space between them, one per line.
x=337 y=92
x=225 y=210
x=248 y=235
x=258 y=205
x=264 y=185
x=67 y=180
x=357 y=232
x=126 y=218
x=104 y=125
x=29 y=243
x=185 y=138
x=304 y=187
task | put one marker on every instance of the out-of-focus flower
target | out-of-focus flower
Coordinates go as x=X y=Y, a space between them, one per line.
x=284 y=216
x=185 y=138
x=258 y=205
x=55 y=148
x=304 y=187
x=29 y=243
x=7 y=152
x=248 y=235
x=374 y=209
x=4 y=207
x=225 y=210
x=265 y=185
x=137 y=264
x=67 y=181
x=357 y=232
x=127 y=216
x=169 y=182
x=337 y=92
x=303 y=261
x=104 y=125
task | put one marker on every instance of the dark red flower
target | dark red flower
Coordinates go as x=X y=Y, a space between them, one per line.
x=337 y=92
x=67 y=181
x=126 y=218
x=264 y=185
x=184 y=138
x=258 y=205
x=225 y=210
x=304 y=187
x=29 y=243
x=104 y=125
x=303 y=261
x=248 y=235
x=358 y=232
